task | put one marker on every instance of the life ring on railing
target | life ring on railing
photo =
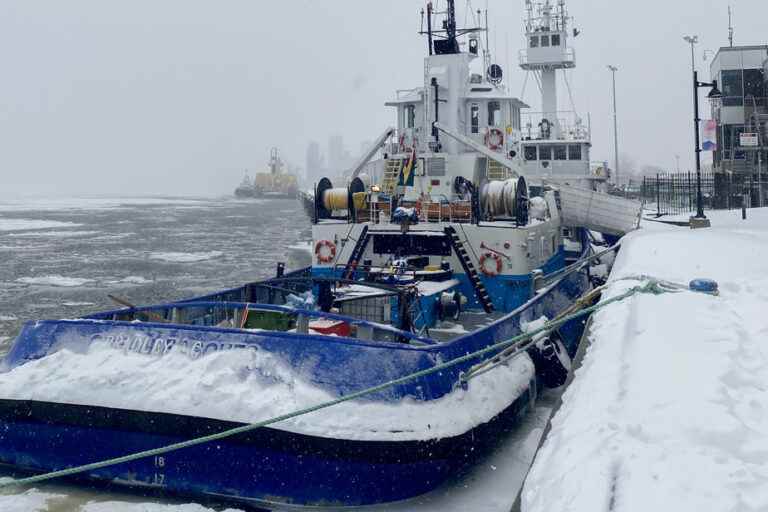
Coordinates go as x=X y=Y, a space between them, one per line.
x=493 y=271
x=494 y=139
x=325 y=250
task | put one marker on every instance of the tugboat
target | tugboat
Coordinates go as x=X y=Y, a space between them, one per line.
x=246 y=189
x=440 y=249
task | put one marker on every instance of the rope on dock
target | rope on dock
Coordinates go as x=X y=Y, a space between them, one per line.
x=651 y=287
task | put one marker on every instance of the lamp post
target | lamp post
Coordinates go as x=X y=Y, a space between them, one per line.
x=614 y=69
x=700 y=220
x=714 y=95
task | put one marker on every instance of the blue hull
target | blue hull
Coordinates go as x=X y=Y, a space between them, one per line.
x=267 y=465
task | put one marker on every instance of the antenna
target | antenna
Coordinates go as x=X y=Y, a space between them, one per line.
x=730 y=26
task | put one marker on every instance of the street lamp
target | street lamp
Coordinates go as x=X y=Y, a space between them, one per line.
x=714 y=95
x=614 y=69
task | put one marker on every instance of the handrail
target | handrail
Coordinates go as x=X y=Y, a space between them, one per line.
x=279 y=309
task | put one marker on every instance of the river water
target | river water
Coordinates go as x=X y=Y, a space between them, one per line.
x=62 y=258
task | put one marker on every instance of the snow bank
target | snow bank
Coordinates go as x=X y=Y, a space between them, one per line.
x=185 y=257
x=249 y=386
x=30 y=224
x=669 y=410
x=55 y=280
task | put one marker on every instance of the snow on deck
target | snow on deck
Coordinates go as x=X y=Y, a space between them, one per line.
x=670 y=408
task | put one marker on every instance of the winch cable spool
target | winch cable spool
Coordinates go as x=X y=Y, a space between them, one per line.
x=522 y=210
x=506 y=199
x=517 y=345
x=322 y=212
x=334 y=199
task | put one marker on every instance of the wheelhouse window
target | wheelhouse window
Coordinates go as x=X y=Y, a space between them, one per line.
x=544 y=41
x=530 y=153
x=733 y=88
x=545 y=152
x=475 y=117
x=561 y=152
x=754 y=85
x=555 y=39
x=410 y=115
x=494 y=113
x=534 y=41
x=574 y=152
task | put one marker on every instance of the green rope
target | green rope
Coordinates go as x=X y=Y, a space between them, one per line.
x=651 y=287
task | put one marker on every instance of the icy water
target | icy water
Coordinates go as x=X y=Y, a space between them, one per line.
x=62 y=258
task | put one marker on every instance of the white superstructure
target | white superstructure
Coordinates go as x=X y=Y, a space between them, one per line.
x=555 y=143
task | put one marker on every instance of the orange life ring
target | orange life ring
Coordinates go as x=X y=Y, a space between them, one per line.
x=328 y=255
x=494 y=139
x=490 y=256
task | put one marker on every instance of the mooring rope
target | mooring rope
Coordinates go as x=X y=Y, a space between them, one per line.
x=651 y=287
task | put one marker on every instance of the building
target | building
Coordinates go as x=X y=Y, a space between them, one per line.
x=741 y=73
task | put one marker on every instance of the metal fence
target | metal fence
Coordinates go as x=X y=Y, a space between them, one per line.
x=675 y=193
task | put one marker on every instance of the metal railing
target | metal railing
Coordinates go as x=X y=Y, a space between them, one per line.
x=567 y=126
x=675 y=193
x=456 y=212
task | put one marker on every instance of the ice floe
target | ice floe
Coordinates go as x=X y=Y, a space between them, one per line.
x=185 y=257
x=55 y=280
x=33 y=224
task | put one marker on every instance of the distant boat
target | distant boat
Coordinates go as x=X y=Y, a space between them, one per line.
x=246 y=189
x=277 y=183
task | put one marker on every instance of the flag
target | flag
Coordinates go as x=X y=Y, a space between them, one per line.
x=407 y=174
x=709 y=135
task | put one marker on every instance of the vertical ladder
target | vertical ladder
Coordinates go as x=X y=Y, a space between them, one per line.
x=496 y=172
x=417 y=315
x=392 y=169
x=357 y=253
x=480 y=291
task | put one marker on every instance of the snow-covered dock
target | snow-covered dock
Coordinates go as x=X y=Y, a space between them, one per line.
x=669 y=410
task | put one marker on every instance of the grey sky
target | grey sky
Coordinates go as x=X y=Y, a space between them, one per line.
x=179 y=96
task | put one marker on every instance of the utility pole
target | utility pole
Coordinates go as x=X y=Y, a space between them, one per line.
x=614 y=69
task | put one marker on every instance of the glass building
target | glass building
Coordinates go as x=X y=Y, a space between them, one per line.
x=741 y=73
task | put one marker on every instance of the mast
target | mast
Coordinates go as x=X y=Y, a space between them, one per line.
x=730 y=26
x=546 y=53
